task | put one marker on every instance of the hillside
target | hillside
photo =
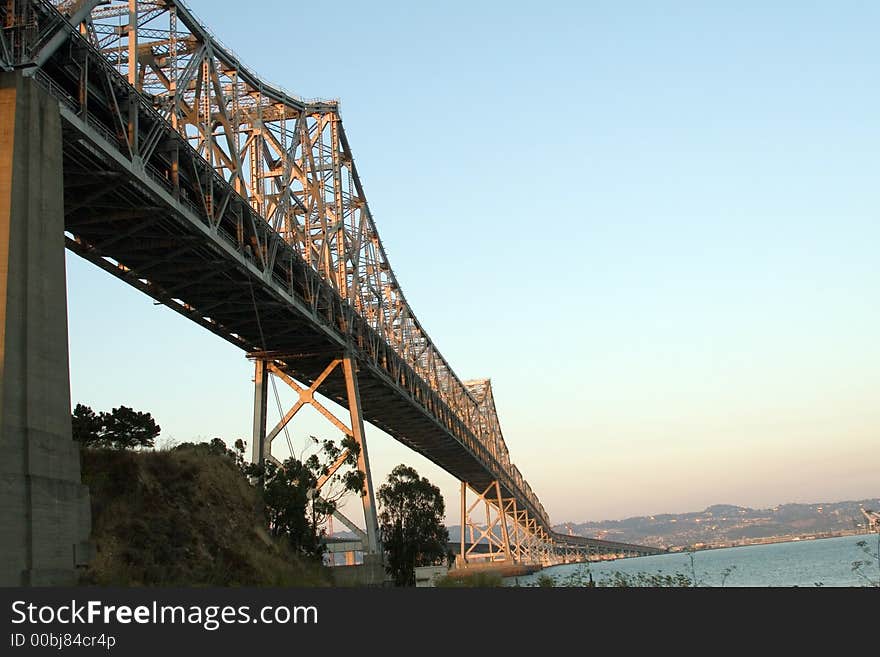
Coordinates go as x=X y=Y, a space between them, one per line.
x=185 y=517
x=723 y=524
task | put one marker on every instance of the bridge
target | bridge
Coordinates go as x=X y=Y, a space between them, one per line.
x=134 y=138
x=872 y=519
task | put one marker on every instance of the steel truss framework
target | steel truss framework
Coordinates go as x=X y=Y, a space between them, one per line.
x=239 y=206
x=270 y=364
x=495 y=530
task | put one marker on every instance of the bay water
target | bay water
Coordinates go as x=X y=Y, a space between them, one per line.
x=817 y=562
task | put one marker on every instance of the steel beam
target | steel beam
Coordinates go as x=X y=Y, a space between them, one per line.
x=357 y=427
x=463 y=524
x=261 y=448
x=79 y=14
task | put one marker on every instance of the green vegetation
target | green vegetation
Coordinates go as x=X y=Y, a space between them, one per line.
x=303 y=492
x=478 y=579
x=584 y=578
x=545 y=581
x=191 y=515
x=642 y=579
x=411 y=524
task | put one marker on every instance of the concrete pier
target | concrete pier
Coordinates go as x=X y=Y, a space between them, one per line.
x=44 y=508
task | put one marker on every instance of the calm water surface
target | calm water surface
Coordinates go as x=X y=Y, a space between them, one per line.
x=797 y=563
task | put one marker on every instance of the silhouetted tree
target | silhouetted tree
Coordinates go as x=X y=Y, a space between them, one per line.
x=127 y=428
x=218 y=446
x=293 y=505
x=411 y=523
x=86 y=425
x=121 y=428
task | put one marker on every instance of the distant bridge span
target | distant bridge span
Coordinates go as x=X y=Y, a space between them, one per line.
x=239 y=206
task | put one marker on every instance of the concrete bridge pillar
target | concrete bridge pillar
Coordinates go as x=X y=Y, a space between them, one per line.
x=44 y=508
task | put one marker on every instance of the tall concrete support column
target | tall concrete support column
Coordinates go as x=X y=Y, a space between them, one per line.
x=45 y=519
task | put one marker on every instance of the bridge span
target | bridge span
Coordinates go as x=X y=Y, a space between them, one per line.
x=239 y=206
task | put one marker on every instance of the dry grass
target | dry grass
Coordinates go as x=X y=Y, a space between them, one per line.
x=184 y=517
x=476 y=579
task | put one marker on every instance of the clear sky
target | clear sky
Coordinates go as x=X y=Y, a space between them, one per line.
x=654 y=226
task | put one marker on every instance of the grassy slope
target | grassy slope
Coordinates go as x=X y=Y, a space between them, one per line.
x=182 y=518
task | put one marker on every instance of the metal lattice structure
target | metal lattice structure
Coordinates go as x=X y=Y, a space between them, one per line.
x=239 y=205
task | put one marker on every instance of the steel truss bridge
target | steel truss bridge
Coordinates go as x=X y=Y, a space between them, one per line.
x=239 y=206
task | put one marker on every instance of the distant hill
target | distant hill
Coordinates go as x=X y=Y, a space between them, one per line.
x=726 y=524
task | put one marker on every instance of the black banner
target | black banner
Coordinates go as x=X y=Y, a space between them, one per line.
x=143 y=621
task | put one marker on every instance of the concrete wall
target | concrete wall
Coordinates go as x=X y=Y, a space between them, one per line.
x=44 y=508
x=369 y=573
x=427 y=576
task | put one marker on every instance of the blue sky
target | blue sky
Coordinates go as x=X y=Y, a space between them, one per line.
x=653 y=225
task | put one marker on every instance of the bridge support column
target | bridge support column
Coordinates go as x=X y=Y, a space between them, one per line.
x=498 y=546
x=463 y=525
x=260 y=447
x=357 y=430
x=515 y=532
x=267 y=363
x=519 y=531
x=505 y=536
x=45 y=517
x=543 y=547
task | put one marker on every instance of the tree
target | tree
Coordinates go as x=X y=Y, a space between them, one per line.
x=126 y=428
x=411 y=524
x=296 y=505
x=218 y=447
x=121 y=428
x=86 y=425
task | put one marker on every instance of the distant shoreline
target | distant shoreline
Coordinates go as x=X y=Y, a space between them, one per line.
x=792 y=538
x=727 y=525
